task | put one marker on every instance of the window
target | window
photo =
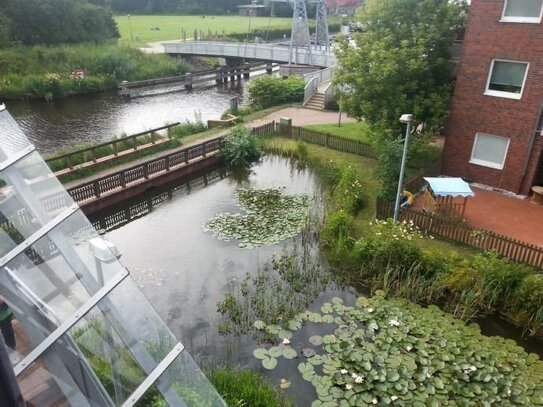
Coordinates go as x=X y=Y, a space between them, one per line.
x=506 y=79
x=489 y=150
x=522 y=11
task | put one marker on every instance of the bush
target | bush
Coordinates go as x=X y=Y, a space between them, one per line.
x=240 y=148
x=268 y=91
x=189 y=127
x=332 y=105
x=246 y=388
x=336 y=235
x=45 y=72
x=527 y=303
x=348 y=192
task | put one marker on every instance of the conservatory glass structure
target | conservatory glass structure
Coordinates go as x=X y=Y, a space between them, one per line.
x=84 y=333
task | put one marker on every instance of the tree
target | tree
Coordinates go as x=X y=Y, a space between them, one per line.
x=58 y=22
x=399 y=62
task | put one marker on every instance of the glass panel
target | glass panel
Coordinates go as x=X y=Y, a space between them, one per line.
x=523 y=8
x=13 y=139
x=187 y=382
x=507 y=76
x=491 y=149
x=60 y=377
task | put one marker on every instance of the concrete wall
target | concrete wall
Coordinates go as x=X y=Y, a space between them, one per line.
x=471 y=111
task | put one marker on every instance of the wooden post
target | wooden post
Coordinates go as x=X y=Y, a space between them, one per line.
x=123 y=180
x=135 y=143
x=146 y=171
x=115 y=152
x=188 y=81
x=186 y=156
x=218 y=76
x=93 y=155
x=96 y=186
x=153 y=137
x=167 y=163
x=204 y=146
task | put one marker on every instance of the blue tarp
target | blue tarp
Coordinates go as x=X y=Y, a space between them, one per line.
x=449 y=187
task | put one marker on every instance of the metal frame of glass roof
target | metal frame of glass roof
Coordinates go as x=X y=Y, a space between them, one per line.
x=84 y=321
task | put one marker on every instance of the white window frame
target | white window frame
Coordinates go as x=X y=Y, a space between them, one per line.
x=502 y=94
x=485 y=163
x=519 y=19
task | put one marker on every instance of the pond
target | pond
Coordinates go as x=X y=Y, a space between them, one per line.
x=185 y=271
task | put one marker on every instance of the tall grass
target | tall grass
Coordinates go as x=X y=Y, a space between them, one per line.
x=45 y=72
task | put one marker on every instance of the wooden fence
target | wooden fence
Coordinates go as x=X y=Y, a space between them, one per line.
x=130 y=142
x=149 y=169
x=458 y=232
x=326 y=140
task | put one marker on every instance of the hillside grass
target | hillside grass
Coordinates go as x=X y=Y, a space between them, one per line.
x=170 y=26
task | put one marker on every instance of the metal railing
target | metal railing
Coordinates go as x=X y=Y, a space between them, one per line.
x=314 y=80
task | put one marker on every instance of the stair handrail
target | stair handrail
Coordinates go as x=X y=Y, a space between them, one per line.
x=314 y=80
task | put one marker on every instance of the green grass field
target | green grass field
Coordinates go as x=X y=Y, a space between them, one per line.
x=170 y=26
x=354 y=131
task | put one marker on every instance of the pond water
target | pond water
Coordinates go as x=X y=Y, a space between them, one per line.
x=185 y=271
x=102 y=116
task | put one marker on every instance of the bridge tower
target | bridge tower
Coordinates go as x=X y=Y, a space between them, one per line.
x=322 y=35
x=300 y=30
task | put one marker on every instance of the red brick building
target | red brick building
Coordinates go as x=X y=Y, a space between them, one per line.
x=494 y=134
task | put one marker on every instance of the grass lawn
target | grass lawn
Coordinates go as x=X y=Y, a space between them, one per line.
x=353 y=131
x=170 y=26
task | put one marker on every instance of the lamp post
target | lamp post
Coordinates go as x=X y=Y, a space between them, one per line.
x=406 y=118
x=130 y=25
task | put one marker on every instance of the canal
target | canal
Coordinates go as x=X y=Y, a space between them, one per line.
x=100 y=117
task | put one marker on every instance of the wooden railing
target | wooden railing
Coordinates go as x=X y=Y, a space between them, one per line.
x=124 y=178
x=131 y=142
x=327 y=140
x=458 y=232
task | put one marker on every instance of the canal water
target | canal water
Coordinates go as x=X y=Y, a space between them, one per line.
x=185 y=271
x=100 y=117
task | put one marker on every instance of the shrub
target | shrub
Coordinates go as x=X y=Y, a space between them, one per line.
x=268 y=91
x=332 y=105
x=336 y=235
x=348 y=192
x=240 y=148
x=389 y=246
x=246 y=388
x=527 y=303
x=189 y=127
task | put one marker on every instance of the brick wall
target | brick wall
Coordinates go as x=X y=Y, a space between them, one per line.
x=472 y=111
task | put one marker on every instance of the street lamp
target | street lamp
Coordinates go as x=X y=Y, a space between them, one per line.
x=406 y=118
x=130 y=25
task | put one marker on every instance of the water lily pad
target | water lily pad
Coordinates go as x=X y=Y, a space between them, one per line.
x=275 y=351
x=269 y=363
x=260 y=353
x=316 y=340
x=259 y=324
x=308 y=352
x=289 y=353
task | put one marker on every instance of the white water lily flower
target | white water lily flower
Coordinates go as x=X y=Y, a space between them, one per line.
x=286 y=341
x=348 y=386
x=374 y=401
x=370 y=310
x=408 y=348
x=394 y=398
x=358 y=379
x=343 y=371
x=394 y=322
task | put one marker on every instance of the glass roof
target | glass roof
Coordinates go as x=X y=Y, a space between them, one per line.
x=82 y=327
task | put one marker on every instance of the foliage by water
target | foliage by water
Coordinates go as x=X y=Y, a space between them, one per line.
x=45 y=72
x=283 y=288
x=392 y=352
x=240 y=148
x=245 y=388
x=269 y=91
x=269 y=217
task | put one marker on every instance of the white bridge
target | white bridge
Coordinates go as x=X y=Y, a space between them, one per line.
x=281 y=53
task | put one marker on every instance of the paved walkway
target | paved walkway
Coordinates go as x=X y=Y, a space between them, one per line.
x=302 y=117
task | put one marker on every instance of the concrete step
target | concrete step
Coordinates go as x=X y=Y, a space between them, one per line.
x=314 y=106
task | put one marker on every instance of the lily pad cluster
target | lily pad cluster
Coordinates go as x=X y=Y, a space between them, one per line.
x=270 y=216
x=392 y=352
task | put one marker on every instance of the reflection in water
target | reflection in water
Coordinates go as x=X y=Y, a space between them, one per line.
x=183 y=270
x=100 y=117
